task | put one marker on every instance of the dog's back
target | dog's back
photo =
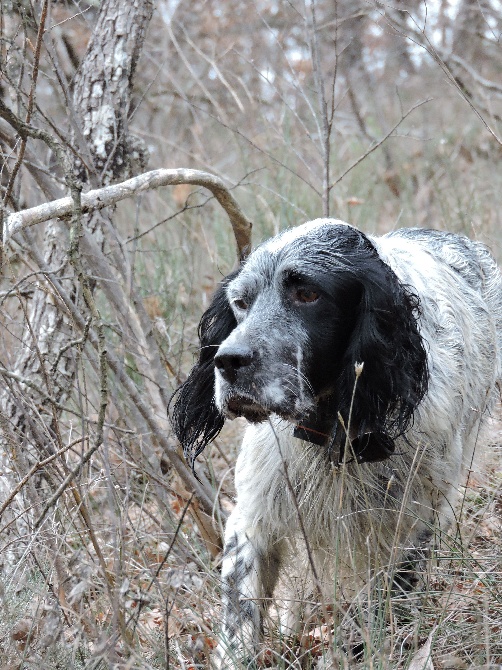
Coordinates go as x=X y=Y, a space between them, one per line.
x=470 y=259
x=470 y=287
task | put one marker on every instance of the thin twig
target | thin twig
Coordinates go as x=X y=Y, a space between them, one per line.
x=380 y=141
x=64 y=484
x=30 y=384
x=202 y=489
x=31 y=100
x=135 y=615
x=32 y=471
x=323 y=110
x=421 y=39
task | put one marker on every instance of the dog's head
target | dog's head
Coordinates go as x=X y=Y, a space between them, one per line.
x=285 y=333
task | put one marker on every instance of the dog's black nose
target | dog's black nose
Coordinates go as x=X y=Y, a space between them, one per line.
x=230 y=360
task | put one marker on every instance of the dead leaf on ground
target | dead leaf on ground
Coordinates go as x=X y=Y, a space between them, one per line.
x=422 y=659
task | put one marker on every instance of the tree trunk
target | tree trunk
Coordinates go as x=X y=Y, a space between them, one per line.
x=43 y=374
x=103 y=89
x=469 y=27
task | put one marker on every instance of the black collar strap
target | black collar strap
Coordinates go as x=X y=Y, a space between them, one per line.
x=323 y=428
x=367 y=448
x=308 y=434
x=331 y=441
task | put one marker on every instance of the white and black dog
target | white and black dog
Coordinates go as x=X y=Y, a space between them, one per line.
x=365 y=367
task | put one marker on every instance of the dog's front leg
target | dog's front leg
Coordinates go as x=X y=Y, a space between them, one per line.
x=249 y=573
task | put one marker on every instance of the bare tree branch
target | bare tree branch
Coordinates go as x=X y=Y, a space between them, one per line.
x=110 y=195
x=323 y=109
x=443 y=59
x=482 y=81
x=380 y=141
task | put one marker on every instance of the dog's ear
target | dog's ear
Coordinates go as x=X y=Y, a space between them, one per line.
x=195 y=418
x=394 y=377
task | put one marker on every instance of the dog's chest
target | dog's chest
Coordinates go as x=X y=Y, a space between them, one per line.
x=290 y=489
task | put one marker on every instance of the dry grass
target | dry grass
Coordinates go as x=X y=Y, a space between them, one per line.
x=165 y=591
x=123 y=570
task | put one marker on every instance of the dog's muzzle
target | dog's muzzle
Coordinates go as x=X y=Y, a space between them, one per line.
x=249 y=388
x=235 y=365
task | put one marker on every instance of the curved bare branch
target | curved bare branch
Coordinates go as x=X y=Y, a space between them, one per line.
x=104 y=197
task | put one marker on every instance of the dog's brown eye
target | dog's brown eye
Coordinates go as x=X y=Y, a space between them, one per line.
x=241 y=304
x=305 y=295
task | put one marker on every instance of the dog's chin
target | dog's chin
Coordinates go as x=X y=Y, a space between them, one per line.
x=254 y=412
x=248 y=408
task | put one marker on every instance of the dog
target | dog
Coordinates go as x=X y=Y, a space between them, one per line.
x=365 y=367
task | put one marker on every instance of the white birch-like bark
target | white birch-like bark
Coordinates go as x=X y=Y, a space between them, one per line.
x=110 y=195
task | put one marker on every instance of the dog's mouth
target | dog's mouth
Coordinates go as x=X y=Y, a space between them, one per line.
x=254 y=412
x=246 y=407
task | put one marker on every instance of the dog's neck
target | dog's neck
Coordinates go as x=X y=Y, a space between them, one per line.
x=324 y=429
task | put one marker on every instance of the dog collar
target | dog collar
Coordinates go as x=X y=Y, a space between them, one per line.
x=309 y=434
x=367 y=448
x=322 y=435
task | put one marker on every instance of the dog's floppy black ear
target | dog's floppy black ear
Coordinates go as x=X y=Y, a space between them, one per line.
x=394 y=377
x=195 y=418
